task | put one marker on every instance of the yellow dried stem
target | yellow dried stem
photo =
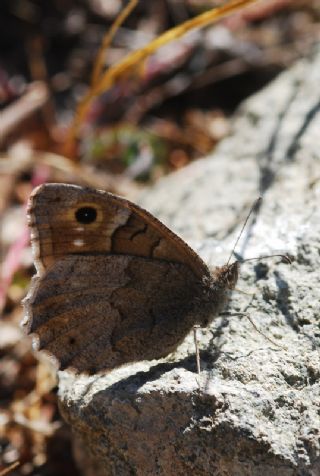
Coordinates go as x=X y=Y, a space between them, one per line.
x=100 y=60
x=134 y=59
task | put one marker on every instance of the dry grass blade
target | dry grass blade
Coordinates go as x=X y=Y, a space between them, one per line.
x=134 y=59
x=10 y=468
x=108 y=38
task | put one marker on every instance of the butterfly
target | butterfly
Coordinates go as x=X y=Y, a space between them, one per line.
x=113 y=284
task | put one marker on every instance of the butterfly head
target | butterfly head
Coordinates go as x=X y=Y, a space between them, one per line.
x=226 y=276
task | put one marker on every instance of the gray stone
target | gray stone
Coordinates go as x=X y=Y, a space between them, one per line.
x=255 y=408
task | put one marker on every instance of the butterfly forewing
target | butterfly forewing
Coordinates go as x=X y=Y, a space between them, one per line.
x=59 y=216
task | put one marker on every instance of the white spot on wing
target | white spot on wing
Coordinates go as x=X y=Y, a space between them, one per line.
x=78 y=242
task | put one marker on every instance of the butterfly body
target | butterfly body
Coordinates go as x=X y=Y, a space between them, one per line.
x=113 y=284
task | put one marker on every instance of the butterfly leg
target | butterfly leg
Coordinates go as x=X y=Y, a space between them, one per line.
x=244 y=314
x=195 y=337
x=243 y=292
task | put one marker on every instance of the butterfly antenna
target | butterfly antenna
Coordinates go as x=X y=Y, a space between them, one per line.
x=254 y=206
x=286 y=258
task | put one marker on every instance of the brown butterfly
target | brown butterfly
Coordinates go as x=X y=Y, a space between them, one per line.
x=113 y=284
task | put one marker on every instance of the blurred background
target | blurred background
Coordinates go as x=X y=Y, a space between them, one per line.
x=171 y=110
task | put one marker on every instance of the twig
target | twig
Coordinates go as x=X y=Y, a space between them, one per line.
x=12 y=116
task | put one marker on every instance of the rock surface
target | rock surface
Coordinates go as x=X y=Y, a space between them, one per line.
x=255 y=408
